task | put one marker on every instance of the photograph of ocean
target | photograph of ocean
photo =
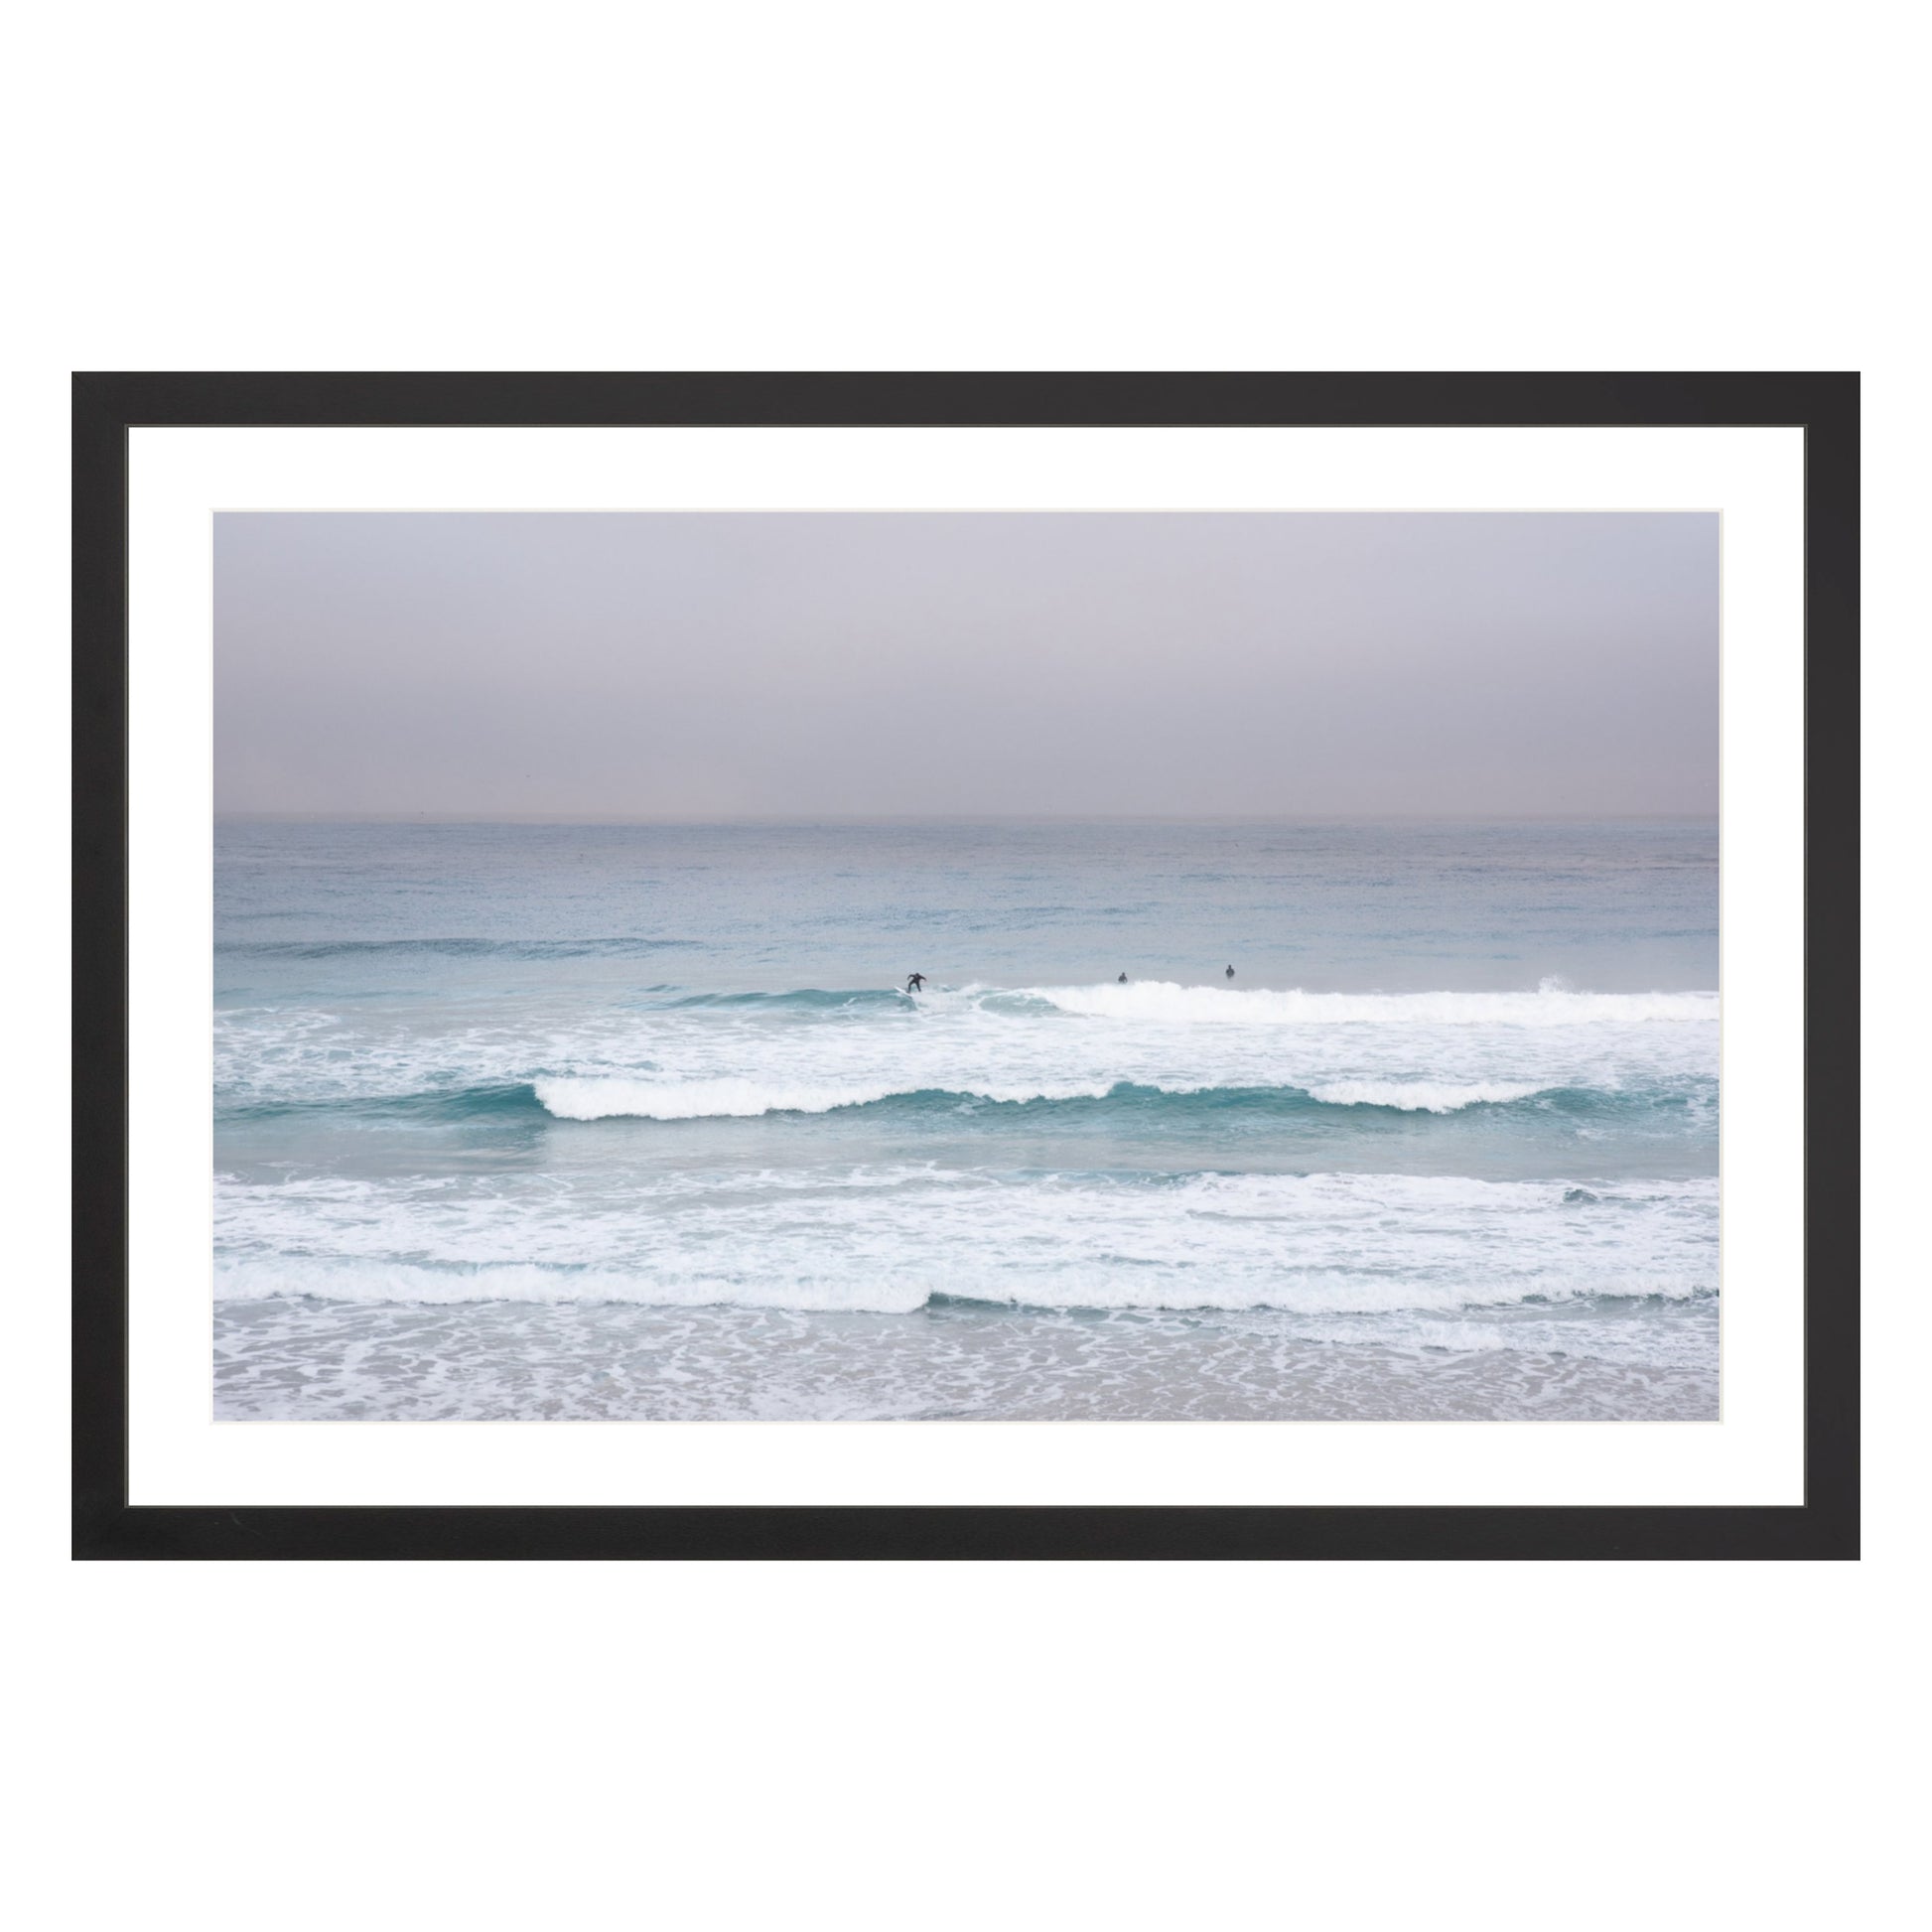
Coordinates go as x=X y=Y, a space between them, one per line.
x=640 y=1121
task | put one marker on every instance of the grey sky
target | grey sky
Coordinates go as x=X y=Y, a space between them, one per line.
x=699 y=665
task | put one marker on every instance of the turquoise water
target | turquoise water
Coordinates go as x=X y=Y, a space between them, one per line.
x=554 y=1121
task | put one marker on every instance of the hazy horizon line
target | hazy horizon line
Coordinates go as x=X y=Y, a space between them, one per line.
x=957 y=818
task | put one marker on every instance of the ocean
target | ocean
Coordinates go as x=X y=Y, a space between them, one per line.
x=627 y=1121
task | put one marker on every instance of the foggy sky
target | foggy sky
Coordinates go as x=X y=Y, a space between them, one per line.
x=878 y=665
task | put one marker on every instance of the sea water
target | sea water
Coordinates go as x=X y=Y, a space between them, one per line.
x=638 y=1121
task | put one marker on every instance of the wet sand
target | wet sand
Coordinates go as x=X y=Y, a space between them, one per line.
x=493 y=1362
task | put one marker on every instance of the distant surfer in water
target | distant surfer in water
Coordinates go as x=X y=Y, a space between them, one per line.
x=918 y=980
x=1230 y=972
x=1122 y=981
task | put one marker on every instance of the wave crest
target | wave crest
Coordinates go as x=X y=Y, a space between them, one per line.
x=1547 y=1006
x=1423 y=1096
x=577 y=1097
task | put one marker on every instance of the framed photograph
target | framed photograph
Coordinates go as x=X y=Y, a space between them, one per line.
x=966 y=966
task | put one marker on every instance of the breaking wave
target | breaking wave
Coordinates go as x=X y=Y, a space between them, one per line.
x=1422 y=1096
x=1549 y=1006
x=569 y=1098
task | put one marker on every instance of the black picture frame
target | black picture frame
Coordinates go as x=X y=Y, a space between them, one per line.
x=108 y=405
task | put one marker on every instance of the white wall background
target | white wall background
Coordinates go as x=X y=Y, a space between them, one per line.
x=853 y=186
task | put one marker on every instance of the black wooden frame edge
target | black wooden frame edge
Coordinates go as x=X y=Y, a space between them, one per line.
x=106 y=405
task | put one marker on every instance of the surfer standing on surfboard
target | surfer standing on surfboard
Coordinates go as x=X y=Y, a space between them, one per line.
x=915 y=982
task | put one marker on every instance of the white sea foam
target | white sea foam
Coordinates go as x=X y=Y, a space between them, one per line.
x=1550 y=1005
x=607 y=1099
x=398 y=1280
x=1326 y=1244
x=590 y=1099
x=603 y=1099
x=1422 y=1096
